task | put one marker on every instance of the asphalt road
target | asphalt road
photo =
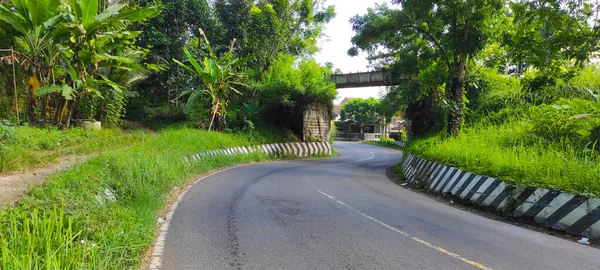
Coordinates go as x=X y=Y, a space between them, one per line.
x=344 y=213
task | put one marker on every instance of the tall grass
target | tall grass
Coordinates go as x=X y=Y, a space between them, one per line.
x=542 y=137
x=26 y=147
x=108 y=204
x=511 y=152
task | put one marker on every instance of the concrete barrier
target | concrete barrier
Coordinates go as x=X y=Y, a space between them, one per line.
x=302 y=149
x=571 y=213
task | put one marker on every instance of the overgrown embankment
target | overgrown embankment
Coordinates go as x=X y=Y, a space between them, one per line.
x=28 y=147
x=102 y=213
x=548 y=138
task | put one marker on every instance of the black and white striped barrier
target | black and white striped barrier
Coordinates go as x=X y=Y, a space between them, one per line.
x=303 y=149
x=562 y=211
x=401 y=144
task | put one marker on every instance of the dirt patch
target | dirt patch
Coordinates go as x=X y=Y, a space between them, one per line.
x=15 y=184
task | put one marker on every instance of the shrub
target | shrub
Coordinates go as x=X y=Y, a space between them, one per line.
x=576 y=120
x=387 y=140
x=288 y=88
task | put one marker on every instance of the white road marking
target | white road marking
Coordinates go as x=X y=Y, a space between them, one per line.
x=416 y=239
x=372 y=156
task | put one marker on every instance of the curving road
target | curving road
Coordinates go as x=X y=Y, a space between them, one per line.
x=344 y=213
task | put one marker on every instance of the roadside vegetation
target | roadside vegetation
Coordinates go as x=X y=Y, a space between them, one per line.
x=501 y=88
x=29 y=147
x=241 y=69
x=102 y=214
x=548 y=145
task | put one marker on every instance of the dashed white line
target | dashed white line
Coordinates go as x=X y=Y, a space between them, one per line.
x=416 y=239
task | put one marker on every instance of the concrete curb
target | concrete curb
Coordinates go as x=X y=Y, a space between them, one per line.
x=574 y=214
x=277 y=149
x=300 y=149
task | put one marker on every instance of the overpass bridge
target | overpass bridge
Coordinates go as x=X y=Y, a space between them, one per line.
x=363 y=79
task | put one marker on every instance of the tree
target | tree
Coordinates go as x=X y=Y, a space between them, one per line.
x=166 y=35
x=35 y=21
x=284 y=27
x=234 y=16
x=72 y=48
x=456 y=30
x=361 y=111
x=221 y=77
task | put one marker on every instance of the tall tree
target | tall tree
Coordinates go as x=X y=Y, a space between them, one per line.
x=166 y=35
x=455 y=29
x=285 y=27
x=234 y=16
x=361 y=111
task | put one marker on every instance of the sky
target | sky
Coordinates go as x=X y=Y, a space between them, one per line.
x=336 y=42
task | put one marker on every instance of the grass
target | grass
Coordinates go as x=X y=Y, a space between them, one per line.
x=398 y=171
x=512 y=153
x=389 y=145
x=101 y=214
x=29 y=147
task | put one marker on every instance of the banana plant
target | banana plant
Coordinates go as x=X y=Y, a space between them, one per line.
x=93 y=36
x=36 y=22
x=222 y=77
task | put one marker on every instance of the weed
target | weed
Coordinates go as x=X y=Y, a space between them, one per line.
x=108 y=205
x=28 y=147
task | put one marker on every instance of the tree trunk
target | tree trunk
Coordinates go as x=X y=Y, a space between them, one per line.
x=455 y=117
x=30 y=115
x=100 y=111
x=223 y=116
x=44 y=106
x=72 y=107
x=60 y=109
x=214 y=113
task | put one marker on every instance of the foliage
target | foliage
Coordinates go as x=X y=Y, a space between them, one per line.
x=263 y=29
x=361 y=111
x=166 y=35
x=545 y=139
x=544 y=32
x=221 y=77
x=26 y=147
x=77 y=50
x=108 y=206
x=287 y=89
x=574 y=120
x=284 y=27
x=7 y=132
x=445 y=34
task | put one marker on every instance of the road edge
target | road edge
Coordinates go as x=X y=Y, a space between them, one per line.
x=152 y=260
x=555 y=209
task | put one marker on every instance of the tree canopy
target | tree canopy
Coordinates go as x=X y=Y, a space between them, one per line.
x=436 y=43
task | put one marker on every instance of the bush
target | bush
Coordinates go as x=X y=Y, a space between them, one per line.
x=387 y=140
x=576 y=120
x=287 y=89
x=541 y=137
